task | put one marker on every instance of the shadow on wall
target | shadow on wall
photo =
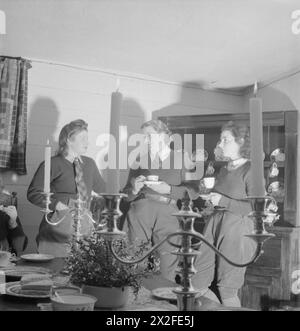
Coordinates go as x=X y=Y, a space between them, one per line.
x=42 y=124
x=275 y=100
x=192 y=93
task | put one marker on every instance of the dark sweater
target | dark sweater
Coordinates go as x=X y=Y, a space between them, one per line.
x=63 y=187
x=172 y=176
x=62 y=181
x=235 y=185
x=16 y=237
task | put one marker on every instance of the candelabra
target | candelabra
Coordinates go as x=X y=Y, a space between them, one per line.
x=187 y=252
x=107 y=227
x=77 y=211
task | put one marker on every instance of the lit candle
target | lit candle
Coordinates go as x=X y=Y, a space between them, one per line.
x=113 y=175
x=256 y=134
x=47 y=168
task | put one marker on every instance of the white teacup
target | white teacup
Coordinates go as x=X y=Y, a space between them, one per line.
x=4 y=258
x=209 y=182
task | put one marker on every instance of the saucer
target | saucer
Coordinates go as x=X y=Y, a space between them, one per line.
x=37 y=257
x=150 y=182
x=15 y=289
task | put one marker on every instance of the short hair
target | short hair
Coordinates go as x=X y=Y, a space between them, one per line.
x=67 y=132
x=240 y=131
x=158 y=126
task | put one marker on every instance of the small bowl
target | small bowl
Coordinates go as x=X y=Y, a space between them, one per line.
x=277 y=155
x=152 y=178
x=73 y=302
x=65 y=290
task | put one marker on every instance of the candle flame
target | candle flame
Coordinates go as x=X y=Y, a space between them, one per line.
x=118 y=84
x=255 y=89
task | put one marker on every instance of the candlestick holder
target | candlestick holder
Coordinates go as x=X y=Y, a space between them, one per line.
x=187 y=252
x=77 y=211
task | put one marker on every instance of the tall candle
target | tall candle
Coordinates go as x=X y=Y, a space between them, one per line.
x=47 y=168
x=256 y=134
x=113 y=175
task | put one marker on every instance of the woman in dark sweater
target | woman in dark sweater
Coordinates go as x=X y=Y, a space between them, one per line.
x=227 y=229
x=152 y=204
x=71 y=174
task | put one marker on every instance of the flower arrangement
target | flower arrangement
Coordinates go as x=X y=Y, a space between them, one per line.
x=91 y=263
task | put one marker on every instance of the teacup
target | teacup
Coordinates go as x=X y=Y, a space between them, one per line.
x=209 y=182
x=4 y=258
x=73 y=302
x=152 y=178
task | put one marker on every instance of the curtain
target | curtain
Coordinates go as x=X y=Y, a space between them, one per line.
x=13 y=113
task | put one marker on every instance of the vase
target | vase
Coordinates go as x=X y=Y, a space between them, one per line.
x=108 y=297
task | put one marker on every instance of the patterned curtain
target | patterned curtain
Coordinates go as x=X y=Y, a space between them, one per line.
x=13 y=113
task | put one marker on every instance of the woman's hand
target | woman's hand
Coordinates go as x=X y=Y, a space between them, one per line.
x=4 y=246
x=161 y=188
x=61 y=206
x=137 y=184
x=213 y=197
x=11 y=211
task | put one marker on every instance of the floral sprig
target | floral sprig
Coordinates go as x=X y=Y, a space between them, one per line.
x=91 y=263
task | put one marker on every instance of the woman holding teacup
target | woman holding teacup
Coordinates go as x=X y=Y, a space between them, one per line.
x=226 y=228
x=153 y=189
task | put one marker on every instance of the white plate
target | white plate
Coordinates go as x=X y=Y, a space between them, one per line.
x=15 y=289
x=167 y=293
x=37 y=257
x=150 y=182
x=19 y=271
x=164 y=293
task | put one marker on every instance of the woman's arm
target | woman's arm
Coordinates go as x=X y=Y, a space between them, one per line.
x=98 y=182
x=35 y=192
x=17 y=239
x=12 y=233
x=129 y=187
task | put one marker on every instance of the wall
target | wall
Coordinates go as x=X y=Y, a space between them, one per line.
x=61 y=93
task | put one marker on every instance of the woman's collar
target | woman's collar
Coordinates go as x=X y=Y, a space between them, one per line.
x=233 y=164
x=71 y=158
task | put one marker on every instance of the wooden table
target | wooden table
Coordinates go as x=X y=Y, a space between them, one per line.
x=8 y=303
x=56 y=265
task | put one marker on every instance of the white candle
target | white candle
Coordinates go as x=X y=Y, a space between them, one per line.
x=256 y=134
x=113 y=175
x=47 y=168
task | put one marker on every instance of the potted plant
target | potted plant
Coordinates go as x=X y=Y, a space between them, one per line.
x=92 y=266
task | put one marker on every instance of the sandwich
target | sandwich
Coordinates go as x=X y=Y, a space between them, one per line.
x=36 y=282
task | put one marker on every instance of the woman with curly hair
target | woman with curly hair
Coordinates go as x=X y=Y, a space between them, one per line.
x=226 y=228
